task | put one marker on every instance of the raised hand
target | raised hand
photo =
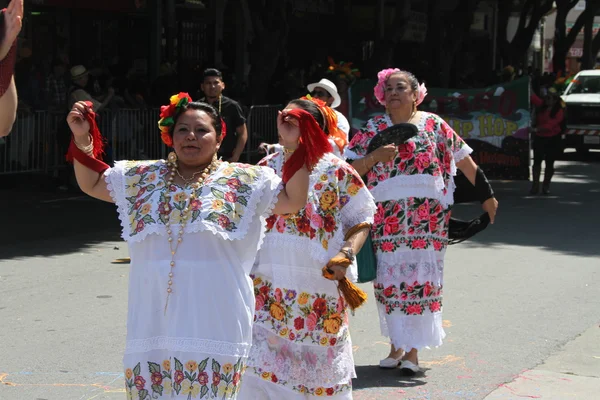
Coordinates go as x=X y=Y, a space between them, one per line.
x=13 y=20
x=78 y=123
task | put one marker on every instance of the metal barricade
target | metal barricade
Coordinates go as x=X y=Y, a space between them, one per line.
x=262 y=128
x=39 y=140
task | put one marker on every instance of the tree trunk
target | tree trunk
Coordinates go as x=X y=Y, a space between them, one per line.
x=513 y=52
x=588 y=59
x=563 y=41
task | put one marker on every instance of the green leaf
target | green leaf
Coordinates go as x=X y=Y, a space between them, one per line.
x=195 y=215
x=227 y=207
x=214 y=389
x=244 y=189
x=178 y=365
x=151 y=187
x=143 y=394
x=136 y=370
x=217 y=193
x=203 y=391
x=202 y=365
x=131 y=171
x=222 y=181
x=213 y=216
x=166 y=375
x=188 y=376
x=216 y=367
x=242 y=200
x=177 y=387
x=131 y=199
x=167 y=121
x=157 y=389
x=148 y=219
x=153 y=367
x=194 y=376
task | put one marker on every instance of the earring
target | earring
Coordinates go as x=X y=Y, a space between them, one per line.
x=172 y=157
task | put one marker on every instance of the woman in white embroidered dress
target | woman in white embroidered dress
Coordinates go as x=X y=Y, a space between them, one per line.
x=413 y=187
x=301 y=342
x=193 y=225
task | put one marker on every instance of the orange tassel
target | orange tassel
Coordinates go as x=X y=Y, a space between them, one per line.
x=354 y=296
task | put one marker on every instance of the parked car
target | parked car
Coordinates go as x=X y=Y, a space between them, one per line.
x=582 y=98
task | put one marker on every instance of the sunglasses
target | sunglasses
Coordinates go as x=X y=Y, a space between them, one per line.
x=320 y=93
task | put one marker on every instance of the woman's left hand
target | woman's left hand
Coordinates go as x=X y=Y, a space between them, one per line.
x=289 y=130
x=490 y=206
x=338 y=271
x=13 y=20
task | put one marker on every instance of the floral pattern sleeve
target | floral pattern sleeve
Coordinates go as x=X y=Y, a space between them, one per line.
x=357 y=203
x=453 y=145
x=357 y=148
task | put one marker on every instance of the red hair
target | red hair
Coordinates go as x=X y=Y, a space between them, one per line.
x=312 y=146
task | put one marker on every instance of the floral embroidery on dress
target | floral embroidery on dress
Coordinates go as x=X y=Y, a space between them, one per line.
x=224 y=206
x=429 y=153
x=415 y=299
x=312 y=391
x=417 y=223
x=191 y=379
x=301 y=317
x=334 y=183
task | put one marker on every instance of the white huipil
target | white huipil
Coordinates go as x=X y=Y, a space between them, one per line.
x=198 y=348
x=301 y=342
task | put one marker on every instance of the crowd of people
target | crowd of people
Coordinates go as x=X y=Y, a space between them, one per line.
x=241 y=275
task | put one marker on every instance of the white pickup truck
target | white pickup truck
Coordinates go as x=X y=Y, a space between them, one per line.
x=582 y=97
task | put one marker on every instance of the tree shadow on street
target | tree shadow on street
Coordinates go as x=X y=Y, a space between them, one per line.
x=38 y=224
x=564 y=221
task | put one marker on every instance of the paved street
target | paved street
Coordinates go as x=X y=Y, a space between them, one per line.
x=521 y=305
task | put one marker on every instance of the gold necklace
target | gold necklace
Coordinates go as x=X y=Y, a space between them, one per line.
x=220 y=99
x=185 y=213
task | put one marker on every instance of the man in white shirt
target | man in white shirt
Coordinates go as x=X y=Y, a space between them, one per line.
x=326 y=91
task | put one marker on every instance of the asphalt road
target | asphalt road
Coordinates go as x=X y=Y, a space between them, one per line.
x=514 y=296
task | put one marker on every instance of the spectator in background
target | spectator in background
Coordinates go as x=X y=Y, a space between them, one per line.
x=55 y=89
x=327 y=91
x=80 y=77
x=237 y=134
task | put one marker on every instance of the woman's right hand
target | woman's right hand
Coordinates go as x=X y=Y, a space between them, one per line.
x=77 y=121
x=385 y=153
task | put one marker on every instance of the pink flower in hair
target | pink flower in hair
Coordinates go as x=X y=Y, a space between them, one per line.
x=382 y=77
x=421 y=93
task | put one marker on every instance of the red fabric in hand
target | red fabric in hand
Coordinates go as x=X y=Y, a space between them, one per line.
x=313 y=144
x=95 y=162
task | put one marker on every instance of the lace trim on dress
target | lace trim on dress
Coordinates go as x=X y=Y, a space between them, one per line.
x=412 y=331
x=268 y=212
x=461 y=154
x=279 y=242
x=361 y=208
x=191 y=345
x=114 y=183
x=266 y=177
x=418 y=185
x=294 y=364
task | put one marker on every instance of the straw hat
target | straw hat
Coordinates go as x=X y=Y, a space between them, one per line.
x=78 y=71
x=331 y=89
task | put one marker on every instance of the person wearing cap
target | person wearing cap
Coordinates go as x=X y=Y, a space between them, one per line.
x=80 y=77
x=237 y=134
x=10 y=26
x=327 y=91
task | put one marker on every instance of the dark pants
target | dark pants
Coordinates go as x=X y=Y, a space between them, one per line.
x=545 y=149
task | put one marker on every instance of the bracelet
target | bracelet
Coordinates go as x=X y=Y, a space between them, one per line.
x=89 y=149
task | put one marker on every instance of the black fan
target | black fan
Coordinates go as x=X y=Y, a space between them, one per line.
x=396 y=134
x=459 y=230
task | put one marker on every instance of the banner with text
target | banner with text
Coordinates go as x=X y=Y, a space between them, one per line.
x=494 y=121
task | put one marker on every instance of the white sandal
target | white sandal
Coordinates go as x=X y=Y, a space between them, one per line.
x=409 y=367
x=390 y=363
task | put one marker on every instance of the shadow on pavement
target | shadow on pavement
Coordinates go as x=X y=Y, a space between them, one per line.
x=566 y=221
x=371 y=376
x=40 y=223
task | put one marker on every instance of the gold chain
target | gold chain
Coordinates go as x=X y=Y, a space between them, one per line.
x=184 y=214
